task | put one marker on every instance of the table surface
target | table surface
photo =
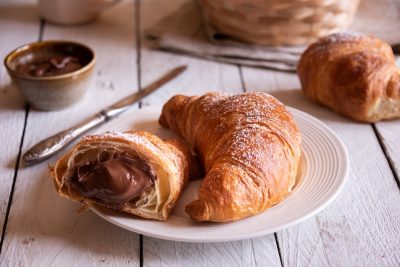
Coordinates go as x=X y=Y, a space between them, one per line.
x=360 y=228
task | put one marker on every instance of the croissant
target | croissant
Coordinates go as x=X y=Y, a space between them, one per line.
x=135 y=172
x=354 y=75
x=249 y=146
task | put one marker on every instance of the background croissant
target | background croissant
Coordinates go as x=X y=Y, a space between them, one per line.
x=249 y=146
x=355 y=75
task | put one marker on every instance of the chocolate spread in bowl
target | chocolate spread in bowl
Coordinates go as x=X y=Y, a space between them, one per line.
x=115 y=181
x=51 y=66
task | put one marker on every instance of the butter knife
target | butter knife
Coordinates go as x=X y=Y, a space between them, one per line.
x=53 y=144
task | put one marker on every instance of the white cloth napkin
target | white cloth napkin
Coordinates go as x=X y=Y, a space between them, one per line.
x=184 y=32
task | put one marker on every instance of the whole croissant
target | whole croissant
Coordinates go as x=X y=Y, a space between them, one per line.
x=353 y=74
x=249 y=146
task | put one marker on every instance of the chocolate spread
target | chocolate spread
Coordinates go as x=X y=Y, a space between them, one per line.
x=115 y=181
x=55 y=65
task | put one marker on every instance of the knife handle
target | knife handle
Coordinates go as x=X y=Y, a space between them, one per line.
x=53 y=144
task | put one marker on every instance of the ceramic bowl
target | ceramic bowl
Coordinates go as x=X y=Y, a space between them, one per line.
x=56 y=91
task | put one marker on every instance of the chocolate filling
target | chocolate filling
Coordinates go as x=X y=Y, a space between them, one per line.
x=114 y=181
x=55 y=65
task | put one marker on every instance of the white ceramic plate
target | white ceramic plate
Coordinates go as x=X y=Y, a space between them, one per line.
x=322 y=174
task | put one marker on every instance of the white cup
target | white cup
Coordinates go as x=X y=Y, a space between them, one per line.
x=72 y=11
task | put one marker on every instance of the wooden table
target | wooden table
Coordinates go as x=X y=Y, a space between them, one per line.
x=360 y=228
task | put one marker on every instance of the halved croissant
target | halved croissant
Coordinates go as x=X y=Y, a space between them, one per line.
x=353 y=74
x=135 y=172
x=249 y=146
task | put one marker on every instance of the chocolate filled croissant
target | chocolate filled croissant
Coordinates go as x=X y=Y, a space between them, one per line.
x=354 y=75
x=249 y=146
x=135 y=172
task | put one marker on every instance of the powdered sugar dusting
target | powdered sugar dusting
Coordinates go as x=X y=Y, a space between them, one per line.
x=241 y=125
x=343 y=37
x=106 y=135
x=323 y=44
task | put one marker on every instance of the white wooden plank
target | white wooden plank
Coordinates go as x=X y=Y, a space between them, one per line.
x=389 y=132
x=361 y=227
x=44 y=229
x=18 y=25
x=201 y=76
x=251 y=252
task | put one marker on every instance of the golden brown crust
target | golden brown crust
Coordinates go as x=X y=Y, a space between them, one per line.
x=169 y=159
x=355 y=75
x=249 y=146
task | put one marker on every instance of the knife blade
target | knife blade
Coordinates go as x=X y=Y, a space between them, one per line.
x=54 y=144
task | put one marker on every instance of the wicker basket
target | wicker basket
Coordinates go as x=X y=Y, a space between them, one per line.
x=279 y=22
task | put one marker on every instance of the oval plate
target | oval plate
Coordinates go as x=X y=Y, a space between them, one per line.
x=322 y=174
